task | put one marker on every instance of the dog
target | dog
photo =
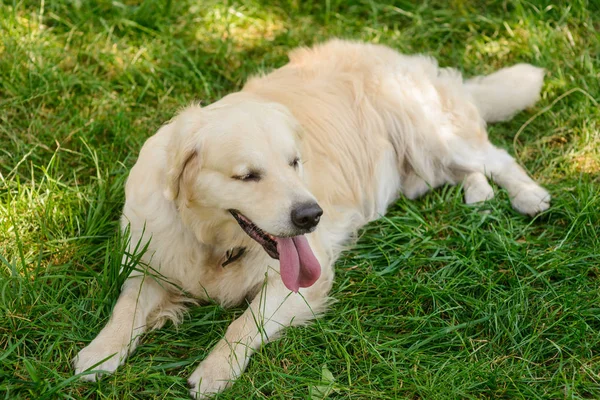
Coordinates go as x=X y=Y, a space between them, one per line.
x=255 y=196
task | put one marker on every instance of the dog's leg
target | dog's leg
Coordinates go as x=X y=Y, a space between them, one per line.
x=272 y=310
x=414 y=186
x=526 y=196
x=140 y=296
x=477 y=188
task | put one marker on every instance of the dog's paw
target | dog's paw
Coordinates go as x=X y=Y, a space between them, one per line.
x=98 y=357
x=414 y=187
x=212 y=376
x=478 y=193
x=531 y=200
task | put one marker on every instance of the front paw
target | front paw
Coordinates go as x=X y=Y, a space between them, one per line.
x=100 y=357
x=212 y=376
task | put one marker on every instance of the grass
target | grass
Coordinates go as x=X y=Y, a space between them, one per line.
x=437 y=300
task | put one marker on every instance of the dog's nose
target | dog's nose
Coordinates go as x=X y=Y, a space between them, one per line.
x=307 y=215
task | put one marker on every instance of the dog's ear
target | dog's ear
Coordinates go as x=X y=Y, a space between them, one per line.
x=289 y=117
x=176 y=171
x=183 y=148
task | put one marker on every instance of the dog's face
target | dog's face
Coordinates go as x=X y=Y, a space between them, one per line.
x=242 y=160
x=239 y=160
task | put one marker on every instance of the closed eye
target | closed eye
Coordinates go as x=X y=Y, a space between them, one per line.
x=295 y=163
x=252 y=176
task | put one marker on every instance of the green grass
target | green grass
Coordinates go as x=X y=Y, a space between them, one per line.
x=437 y=300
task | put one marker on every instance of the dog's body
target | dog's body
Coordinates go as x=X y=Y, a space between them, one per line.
x=366 y=124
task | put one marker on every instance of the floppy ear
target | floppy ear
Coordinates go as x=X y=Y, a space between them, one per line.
x=175 y=172
x=184 y=146
x=290 y=119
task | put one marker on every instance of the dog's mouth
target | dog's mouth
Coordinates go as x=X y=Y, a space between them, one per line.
x=267 y=241
x=298 y=265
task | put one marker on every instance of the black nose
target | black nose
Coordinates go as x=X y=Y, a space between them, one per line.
x=307 y=215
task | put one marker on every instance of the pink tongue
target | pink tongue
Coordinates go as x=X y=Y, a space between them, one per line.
x=298 y=265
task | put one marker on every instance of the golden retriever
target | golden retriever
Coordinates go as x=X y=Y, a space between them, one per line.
x=254 y=196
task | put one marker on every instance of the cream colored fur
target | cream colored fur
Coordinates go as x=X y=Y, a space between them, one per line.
x=366 y=122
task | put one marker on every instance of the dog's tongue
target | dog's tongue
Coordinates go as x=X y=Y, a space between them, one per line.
x=298 y=265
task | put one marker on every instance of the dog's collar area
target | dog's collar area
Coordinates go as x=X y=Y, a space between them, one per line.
x=233 y=254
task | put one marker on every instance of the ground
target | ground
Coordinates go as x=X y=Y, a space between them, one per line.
x=437 y=300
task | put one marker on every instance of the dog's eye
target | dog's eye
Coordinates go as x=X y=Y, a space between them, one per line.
x=253 y=176
x=295 y=162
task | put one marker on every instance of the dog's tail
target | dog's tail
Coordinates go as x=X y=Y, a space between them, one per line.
x=504 y=93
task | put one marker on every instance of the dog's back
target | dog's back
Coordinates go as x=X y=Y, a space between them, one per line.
x=377 y=122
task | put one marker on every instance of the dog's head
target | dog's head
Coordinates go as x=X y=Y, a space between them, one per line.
x=239 y=160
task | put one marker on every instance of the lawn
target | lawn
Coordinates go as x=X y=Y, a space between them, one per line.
x=437 y=299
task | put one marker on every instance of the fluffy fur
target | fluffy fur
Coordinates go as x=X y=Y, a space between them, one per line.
x=366 y=122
